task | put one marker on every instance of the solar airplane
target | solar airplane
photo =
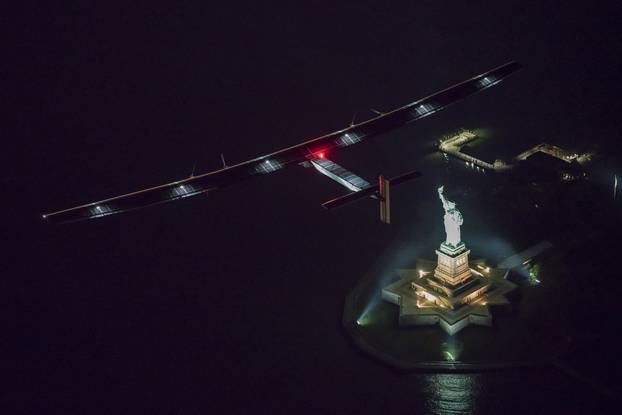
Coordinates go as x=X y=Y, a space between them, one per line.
x=311 y=153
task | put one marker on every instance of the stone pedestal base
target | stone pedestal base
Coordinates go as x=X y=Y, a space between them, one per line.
x=453 y=265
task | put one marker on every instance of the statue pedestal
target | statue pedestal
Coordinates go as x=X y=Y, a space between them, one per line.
x=453 y=264
x=452 y=284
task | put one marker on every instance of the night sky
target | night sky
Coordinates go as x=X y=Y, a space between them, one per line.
x=232 y=302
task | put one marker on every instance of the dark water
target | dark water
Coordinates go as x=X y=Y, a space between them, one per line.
x=233 y=303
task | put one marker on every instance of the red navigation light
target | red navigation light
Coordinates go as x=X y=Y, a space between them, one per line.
x=321 y=155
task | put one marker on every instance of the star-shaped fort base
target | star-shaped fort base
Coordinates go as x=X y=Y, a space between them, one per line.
x=426 y=299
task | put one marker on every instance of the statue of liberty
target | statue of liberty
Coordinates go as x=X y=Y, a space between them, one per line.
x=453 y=220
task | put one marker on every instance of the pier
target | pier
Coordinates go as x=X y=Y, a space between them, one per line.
x=452 y=145
x=549 y=149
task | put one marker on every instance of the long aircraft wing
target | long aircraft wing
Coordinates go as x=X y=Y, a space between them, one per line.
x=269 y=163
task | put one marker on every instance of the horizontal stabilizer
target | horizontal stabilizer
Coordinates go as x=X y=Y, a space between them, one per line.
x=371 y=191
x=350 y=197
x=404 y=178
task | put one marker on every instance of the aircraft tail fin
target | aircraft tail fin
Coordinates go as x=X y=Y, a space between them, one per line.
x=384 y=196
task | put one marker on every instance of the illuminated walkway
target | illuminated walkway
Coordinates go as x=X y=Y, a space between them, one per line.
x=549 y=149
x=453 y=146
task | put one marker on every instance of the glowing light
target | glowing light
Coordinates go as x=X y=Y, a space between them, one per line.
x=477 y=272
x=533 y=275
x=451 y=350
x=100 y=210
x=488 y=81
x=424 y=109
x=429 y=296
x=268 y=166
x=483 y=268
x=424 y=305
x=449 y=356
x=183 y=191
x=363 y=320
x=348 y=139
x=321 y=155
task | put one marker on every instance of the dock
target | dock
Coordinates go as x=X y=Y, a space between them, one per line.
x=452 y=146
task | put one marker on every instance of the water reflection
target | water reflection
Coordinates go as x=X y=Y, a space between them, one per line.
x=452 y=393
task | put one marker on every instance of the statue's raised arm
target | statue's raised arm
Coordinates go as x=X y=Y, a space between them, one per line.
x=447 y=205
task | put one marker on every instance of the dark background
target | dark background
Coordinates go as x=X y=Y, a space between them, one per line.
x=233 y=302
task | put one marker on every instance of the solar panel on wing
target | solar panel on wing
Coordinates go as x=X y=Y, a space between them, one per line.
x=293 y=155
